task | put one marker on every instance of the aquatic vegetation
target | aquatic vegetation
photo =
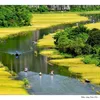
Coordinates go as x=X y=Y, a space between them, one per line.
x=10 y=86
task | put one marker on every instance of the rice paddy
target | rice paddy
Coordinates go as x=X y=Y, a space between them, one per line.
x=75 y=65
x=51 y=53
x=47 y=41
x=10 y=86
x=93 y=25
x=42 y=21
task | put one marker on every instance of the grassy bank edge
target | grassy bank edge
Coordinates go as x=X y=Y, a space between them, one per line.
x=9 y=86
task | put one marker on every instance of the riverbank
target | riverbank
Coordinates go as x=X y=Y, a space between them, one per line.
x=40 y=21
x=45 y=20
x=93 y=25
x=9 y=86
x=75 y=65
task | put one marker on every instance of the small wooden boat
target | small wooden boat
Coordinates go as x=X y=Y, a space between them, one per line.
x=87 y=81
x=52 y=73
x=40 y=74
x=26 y=69
x=17 y=54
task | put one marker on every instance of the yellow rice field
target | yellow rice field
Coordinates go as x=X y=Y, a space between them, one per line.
x=9 y=86
x=42 y=21
x=75 y=65
x=47 y=41
x=93 y=25
x=51 y=53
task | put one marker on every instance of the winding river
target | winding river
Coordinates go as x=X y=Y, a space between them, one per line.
x=26 y=46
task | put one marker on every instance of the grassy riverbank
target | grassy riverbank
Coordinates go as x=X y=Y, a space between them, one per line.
x=93 y=25
x=42 y=21
x=10 y=86
x=46 y=20
x=75 y=65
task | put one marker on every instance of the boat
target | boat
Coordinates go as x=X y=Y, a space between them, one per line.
x=26 y=69
x=52 y=72
x=17 y=55
x=40 y=74
x=87 y=81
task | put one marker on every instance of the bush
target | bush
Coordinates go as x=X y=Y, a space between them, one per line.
x=42 y=8
x=87 y=49
x=87 y=60
x=91 y=60
x=11 y=16
x=94 y=38
x=6 y=69
x=13 y=73
x=66 y=55
x=26 y=82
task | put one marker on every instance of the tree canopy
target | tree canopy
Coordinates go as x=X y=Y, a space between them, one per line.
x=14 y=16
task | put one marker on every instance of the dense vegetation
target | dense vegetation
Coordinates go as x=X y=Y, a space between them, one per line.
x=14 y=16
x=85 y=7
x=39 y=9
x=80 y=41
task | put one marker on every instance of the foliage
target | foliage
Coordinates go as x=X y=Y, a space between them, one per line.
x=42 y=8
x=13 y=73
x=89 y=59
x=26 y=82
x=71 y=40
x=87 y=49
x=39 y=8
x=14 y=16
x=94 y=38
x=6 y=69
x=85 y=7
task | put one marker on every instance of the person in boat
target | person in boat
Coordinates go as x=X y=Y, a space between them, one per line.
x=26 y=69
x=17 y=55
x=87 y=81
x=40 y=74
x=52 y=72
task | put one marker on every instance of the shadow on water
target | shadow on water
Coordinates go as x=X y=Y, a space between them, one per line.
x=29 y=57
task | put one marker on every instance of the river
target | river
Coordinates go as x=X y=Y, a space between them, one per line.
x=29 y=57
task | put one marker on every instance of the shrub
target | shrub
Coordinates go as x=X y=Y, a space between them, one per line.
x=66 y=55
x=13 y=73
x=87 y=49
x=91 y=60
x=42 y=8
x=94 y=38
x=11 y=16
x=87 y=59
x=6 y=69
x=26 y=82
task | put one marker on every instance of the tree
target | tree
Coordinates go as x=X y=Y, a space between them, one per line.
x=42 y=8
x=14 y=16
x=94 y=38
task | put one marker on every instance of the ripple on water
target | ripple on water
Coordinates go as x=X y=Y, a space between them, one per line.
x=55 y=85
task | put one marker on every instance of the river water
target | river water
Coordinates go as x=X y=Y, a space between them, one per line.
x=29 y=57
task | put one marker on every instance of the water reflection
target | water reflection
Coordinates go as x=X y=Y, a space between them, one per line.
x=29 y=52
